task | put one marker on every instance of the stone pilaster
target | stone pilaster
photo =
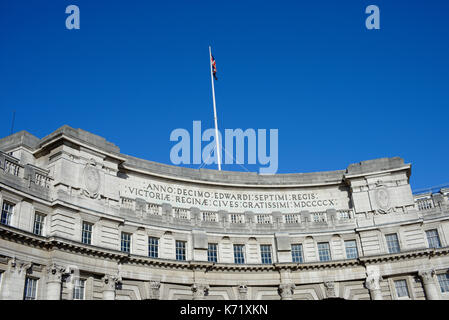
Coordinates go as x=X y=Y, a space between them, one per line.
x=109 y=283
x=13 y=282
x=155 y=287
x=54 y=280
x=199 y=291
x=372 y=283
x=430 y=286
x=286 y=291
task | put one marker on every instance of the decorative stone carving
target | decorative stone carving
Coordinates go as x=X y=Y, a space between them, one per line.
x=17 y=266
x=110 y=281
x=199 y=291
x=330 y=289
x=55 y=273
x=243 y=292
x=427 y=275
x=155 y=290
x=382 y=198
x=372 y=283
x=286 y=291
x=92 y=181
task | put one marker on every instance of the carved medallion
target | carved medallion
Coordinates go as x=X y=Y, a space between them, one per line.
x=382 y=197
x=91 y=180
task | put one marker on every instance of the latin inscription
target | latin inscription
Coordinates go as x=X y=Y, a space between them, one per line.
x=232 y=200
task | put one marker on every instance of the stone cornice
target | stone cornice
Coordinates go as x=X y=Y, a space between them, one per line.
x=405 y=167
x=57 y=243
x=230 y=184
x=23 y=237
x=404 y=255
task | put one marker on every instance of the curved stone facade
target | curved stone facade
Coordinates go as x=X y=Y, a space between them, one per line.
x=80 y=220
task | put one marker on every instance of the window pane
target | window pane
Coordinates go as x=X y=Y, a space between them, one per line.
x=87 y=233
x=30 y=289
x=38 y=224
x=297 y=253
x=212 y=252
x=392 y=243
x=239 y=256
x=324 y=251
x=153 y=245
x=126 y=242
x=180 y=250
x=433 y=238
x=401 y=288
x=265 y=252
x=443 y=280
x=78 y=289
x=7 y=210
x=351 y=249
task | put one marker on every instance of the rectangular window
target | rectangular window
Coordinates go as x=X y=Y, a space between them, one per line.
x=78 y=289
x=351 y=249
x=212 y=252
x=239 y=253
x=125 y=243
x=433 y=238
x=324 y=251
x=265 y=253
x=153 y=247
x=401 y=288
x=392 y=243
x=443 y=280
x=30 y=289
x=180 y=250
x=87 y=233
x=7 y=210
x=38 y=224
x=297 y=255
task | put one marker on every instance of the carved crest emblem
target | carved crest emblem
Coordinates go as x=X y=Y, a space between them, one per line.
x=382 y=197
x=91 y=180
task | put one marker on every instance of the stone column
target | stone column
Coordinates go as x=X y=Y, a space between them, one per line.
x=430 y=287
x=199 y=291
x=372 y=283
x=109 y=283
x=54 y=279
x=286 y=291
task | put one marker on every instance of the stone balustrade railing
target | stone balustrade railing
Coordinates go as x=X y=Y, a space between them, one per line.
x=11 y=167
x=275 y=220
x=429 y=201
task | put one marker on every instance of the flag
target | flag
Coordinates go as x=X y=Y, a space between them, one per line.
x=214 y=67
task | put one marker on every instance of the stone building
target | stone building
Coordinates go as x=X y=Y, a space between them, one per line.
x=80 y=220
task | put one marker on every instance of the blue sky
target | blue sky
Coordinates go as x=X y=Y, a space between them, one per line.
x=337 y=92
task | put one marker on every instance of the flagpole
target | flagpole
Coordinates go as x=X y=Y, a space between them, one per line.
x=215 y=110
